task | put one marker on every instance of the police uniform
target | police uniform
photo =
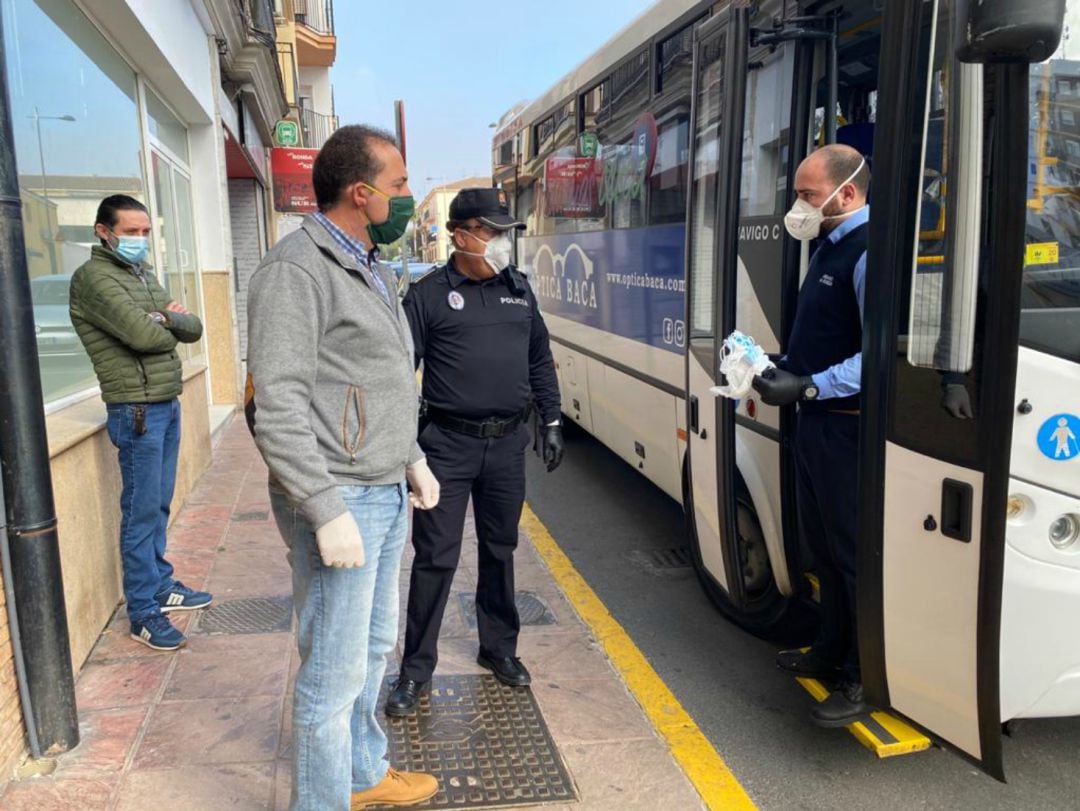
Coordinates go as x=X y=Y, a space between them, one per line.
x=486 y=357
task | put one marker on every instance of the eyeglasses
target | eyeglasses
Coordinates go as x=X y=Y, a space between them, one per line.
x=480 y=228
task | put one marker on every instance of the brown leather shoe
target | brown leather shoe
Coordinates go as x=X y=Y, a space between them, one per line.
x=397 y=788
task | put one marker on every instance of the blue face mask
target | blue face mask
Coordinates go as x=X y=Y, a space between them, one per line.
x=132 y=250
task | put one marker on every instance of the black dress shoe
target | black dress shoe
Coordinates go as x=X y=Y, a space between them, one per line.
x=405 y=696
x=811 y=664
x=509 y=670
x=842 y=707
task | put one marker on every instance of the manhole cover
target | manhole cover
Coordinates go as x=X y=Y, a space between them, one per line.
x=531 y=609
x=255 y=615
x=486 y=743
x=671 y=562
x=259 y=515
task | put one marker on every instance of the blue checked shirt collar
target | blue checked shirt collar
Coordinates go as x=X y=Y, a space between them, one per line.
x=354 y=247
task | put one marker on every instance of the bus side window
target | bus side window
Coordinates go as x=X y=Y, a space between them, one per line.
x=670 y=175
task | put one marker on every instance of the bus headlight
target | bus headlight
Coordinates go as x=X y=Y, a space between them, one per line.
x=1065 y=531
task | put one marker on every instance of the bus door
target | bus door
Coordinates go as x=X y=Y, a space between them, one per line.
x=941 y=323
x=716 y=128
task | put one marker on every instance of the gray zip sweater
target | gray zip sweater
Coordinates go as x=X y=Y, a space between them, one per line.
x=331 y=363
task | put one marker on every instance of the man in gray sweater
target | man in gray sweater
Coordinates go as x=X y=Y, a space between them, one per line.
x=331 y=362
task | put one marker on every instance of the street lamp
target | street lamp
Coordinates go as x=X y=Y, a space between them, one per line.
x=38 y=117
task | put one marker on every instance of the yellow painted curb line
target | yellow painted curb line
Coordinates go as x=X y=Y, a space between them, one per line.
x=711 y=777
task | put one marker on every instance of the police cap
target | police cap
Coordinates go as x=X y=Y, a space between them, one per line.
x=487 y=205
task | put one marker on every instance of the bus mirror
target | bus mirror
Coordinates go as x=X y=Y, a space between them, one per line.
x=1008 y=30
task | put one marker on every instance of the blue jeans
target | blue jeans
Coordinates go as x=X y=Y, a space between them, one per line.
x=347 y=625
x=148 y=472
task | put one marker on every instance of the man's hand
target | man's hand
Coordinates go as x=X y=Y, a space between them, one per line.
x=779 y=388
x=340 y=543
x=956 y=400
x=176 y=307
x=553 y=446
x=423 y=484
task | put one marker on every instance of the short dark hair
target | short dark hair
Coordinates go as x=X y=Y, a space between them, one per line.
x=347 y=157
x=842 y=161
x=108 y=208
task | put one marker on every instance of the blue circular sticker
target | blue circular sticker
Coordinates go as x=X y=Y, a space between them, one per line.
x=1059 y=437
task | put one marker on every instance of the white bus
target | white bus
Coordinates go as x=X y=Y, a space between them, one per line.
x=654 y=178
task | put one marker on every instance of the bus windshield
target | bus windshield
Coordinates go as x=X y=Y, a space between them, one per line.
x=1050 y=316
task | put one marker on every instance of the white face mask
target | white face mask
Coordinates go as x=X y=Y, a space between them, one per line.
x=804 y=220
x=497 y=250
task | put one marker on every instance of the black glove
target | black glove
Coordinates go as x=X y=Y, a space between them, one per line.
x=956 y=400
x=553 y=446
x=780 y=388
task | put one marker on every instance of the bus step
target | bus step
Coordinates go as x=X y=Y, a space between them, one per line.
x=882 y=733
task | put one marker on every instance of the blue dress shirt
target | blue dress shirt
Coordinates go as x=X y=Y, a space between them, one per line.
x=845 y=378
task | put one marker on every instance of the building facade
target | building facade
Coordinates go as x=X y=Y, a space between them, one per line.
x=176 y=104
x=430 y=236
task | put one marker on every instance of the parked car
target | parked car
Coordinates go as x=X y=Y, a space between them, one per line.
x=56 y=337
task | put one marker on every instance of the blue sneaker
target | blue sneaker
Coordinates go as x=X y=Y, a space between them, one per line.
x=158 y=633
x=181 y=598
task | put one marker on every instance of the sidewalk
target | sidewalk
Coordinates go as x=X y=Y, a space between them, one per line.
x=208 y=727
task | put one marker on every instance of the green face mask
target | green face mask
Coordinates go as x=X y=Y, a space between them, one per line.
x=401 y=211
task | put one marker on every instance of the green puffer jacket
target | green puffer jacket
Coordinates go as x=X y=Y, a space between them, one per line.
x=134 y=356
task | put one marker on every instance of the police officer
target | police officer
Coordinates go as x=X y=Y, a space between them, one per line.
x=821 y=372
x=484 y=345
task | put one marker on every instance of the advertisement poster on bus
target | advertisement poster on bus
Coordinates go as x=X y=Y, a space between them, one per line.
x=293 y=190
x=572 y=188
x=628 y=282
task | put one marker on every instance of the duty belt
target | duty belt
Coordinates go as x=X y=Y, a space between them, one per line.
x=487 y=428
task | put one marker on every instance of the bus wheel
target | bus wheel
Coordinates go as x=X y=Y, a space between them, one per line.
x=767 y=613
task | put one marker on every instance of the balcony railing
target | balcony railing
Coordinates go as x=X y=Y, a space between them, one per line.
x=318 y=15
x=317 y=127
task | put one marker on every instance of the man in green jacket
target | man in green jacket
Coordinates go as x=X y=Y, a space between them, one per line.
x=130 y=327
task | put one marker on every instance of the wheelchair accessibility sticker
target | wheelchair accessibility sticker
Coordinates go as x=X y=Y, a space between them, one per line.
x=1059 y=437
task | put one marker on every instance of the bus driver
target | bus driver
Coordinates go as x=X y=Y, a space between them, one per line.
x=821 y=372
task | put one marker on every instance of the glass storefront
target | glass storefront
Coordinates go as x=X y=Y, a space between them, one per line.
x=78 y=139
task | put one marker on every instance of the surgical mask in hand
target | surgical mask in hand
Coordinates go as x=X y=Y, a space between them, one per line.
x=804 y=219
x=497 y=250
x=741 y=360
x=132 y=250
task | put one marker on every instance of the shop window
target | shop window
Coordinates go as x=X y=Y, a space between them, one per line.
x=165 y=127
x=77 y=140
x=174 y=229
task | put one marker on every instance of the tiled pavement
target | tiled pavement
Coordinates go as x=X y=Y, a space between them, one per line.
x=208 y=727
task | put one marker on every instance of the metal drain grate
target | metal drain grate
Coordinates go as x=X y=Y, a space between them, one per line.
x=258 y=515
x=672 y=562
x=487 y=744
x=532 y=610
x=255 y=615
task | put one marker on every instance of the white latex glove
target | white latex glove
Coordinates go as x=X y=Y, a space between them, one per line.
x=425 y=487
x=340 y=543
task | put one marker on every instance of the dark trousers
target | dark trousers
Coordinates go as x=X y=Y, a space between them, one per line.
x=492 y=471
x=827 y=461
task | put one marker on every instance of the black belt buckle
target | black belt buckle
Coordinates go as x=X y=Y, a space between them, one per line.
x=491 y=428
